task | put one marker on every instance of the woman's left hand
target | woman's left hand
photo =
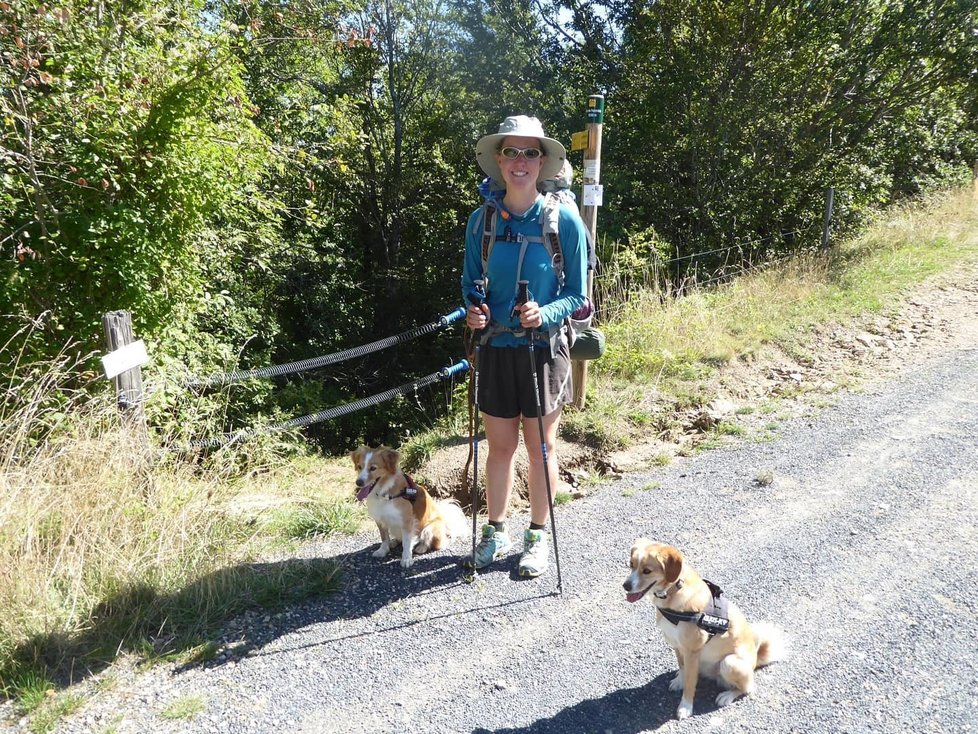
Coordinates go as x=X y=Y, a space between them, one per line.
x=530 y=316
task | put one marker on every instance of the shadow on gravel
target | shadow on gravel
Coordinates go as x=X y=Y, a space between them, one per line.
x=364 y=586
x=625 y=711
x=142 y=620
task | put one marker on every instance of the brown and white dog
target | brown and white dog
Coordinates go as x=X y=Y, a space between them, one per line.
x=404 y=512
x=709 y=634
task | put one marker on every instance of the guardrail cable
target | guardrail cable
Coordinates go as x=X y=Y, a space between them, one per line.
x=227 y=378
x=335 y=412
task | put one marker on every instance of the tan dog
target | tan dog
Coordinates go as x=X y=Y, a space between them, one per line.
x=708 y=633
x=403 y=511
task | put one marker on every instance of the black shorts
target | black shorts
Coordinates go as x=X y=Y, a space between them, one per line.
x=506 y=387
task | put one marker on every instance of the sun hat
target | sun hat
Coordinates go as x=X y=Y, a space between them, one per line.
x=523 y=127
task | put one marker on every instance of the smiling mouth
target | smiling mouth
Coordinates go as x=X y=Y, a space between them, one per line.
x=634 y=596
x=364 y=491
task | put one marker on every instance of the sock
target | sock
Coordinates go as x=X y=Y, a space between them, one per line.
x=537 y=526
x=499 y=525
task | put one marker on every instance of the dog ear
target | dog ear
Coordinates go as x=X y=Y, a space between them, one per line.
x=637 y=547
x=354 y=454
x=388 y=459
x=672 y=563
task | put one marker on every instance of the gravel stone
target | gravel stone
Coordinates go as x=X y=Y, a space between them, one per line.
x=861 y=548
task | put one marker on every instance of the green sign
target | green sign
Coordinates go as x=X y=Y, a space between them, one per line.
x=595 y=108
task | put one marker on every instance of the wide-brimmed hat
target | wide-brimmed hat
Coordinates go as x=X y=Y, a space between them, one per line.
x=524 y=127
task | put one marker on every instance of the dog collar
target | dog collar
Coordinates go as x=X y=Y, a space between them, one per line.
x=675 y=585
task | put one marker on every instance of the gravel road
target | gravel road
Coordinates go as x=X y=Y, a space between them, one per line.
x=863 y=548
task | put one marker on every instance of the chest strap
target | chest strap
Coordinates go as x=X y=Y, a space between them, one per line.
x=713 y=620
x=410 y=492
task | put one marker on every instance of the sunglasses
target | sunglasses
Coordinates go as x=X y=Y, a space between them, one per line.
x=531 y=154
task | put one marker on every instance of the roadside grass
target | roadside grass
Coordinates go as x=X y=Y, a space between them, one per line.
x=183 y=708
x=105 y=550
x=667 y=350
x=46 y=716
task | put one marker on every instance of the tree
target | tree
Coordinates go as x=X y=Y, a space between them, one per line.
x=127 y=144
x=743 y=113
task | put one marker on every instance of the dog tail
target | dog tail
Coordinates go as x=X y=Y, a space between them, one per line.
x=455 y=521
x=770 y=643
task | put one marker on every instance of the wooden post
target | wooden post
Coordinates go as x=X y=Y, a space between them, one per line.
x=589 y=213
x=128 y=384
x=827 y=221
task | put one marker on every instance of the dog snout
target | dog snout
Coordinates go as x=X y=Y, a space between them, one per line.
x=627 y=586
x=360 y=482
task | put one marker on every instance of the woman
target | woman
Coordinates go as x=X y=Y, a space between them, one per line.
x=519 y=156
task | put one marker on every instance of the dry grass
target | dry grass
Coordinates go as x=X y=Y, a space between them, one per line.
x=662 y=351
x=106 y=548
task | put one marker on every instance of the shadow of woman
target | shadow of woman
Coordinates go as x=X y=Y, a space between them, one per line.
x=624 y=711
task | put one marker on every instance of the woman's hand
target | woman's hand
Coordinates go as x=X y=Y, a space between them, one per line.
x=530 y=316
x=477 y=317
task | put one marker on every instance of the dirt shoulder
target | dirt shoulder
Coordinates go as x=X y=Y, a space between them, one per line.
x=758 y=393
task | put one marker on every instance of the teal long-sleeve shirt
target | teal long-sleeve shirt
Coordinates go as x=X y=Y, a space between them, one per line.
x=555 y=305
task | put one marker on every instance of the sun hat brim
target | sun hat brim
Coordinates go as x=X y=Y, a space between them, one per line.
x=486 y=148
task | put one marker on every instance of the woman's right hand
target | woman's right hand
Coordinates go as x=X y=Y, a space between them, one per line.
x=477 y=317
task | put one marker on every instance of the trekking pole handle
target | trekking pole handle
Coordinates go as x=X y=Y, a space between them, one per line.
x=461 y=366
x=451 y=318
x=522 y=296
x=477 y=296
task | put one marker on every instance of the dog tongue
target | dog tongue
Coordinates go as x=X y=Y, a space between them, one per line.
x=635 y=596
x=363 y=492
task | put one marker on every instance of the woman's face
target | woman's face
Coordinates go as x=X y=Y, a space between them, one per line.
x=520 y=172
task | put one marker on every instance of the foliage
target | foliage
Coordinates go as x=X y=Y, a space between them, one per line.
x=127 y=148
x=741 y=115
x=265 y=182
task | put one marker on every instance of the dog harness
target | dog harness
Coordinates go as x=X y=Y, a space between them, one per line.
x=410 y=492
x=713 y=619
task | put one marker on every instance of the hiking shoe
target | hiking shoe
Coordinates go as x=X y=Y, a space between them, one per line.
x=536 y=553
x=494 y=544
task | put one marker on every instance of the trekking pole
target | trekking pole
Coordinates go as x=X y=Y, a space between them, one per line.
x=522 y=296
x=476 y=298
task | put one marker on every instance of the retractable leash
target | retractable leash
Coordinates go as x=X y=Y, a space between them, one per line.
x=522 y=296
x=476 y=298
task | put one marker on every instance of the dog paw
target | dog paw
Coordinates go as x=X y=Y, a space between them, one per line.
x=684 y=711
x=727 y=697
x=381 y=552
x=406 y=562
x=676 y=684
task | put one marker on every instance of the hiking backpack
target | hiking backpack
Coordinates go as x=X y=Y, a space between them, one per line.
x=585 y=341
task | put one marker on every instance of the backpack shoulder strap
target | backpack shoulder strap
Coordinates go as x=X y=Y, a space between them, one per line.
x=550 y=219
x=490 y=215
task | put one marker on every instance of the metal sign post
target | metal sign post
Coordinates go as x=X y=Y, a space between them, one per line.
x=591 y=196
